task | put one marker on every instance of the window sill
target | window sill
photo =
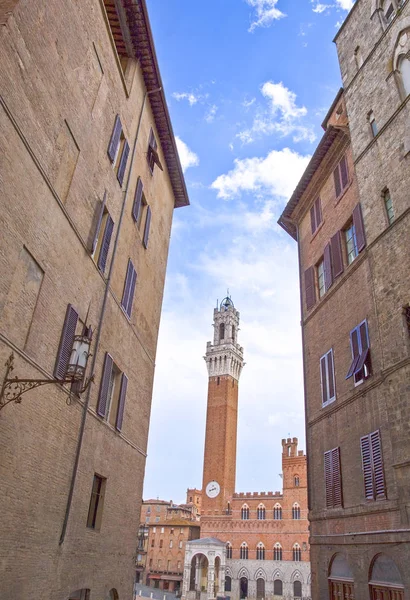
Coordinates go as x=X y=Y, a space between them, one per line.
x=325 y=404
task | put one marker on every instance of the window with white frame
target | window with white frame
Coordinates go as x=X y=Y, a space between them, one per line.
x=296 y=511
x=351 y=243
x=244 y=551
x=297 y=552
x=228 y=550
x=277 y=551
x=261 y=513
x=260 y=551
x=327 y=377
x=277 y=512
x=245 y=512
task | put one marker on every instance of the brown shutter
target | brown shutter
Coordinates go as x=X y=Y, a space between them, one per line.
x=378 y=471
x=336 y=177
x=313 y=219
x=331 y=374
x=105 y=246
x=364 y=356
x=123 y=162
x=115 y=139
x=337 y=259
x=323 y=375
x=367 y=467
x=318 y=211
x=327 y=265
x=105 y=386
x=328 y=479
x=354 y=344
x=147 y=226
x=310 y=289
x=344 y=174
x=66 y=343
x=96 y=225
x=121 y=403
x=359 y=227
x=136 y=207
x=129 y=288
x=337 y=478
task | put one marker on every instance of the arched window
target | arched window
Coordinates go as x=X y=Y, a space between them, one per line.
x=404 y=68
x=297 y=589
x=341 y=583
x=296 y=511
x=83 y=594
x=277 y=587
x=245 y=512
x=385 y=579
x=222 y=331
x=244 y=551
x=297 y=552
x=277 y=551
x=228 y=583
x=260 y=551
x=358 y=57
x=296 y=480
x=277 y=512
x=260 y=588
x=261 y=513
x=228 y=550
x=388 y=205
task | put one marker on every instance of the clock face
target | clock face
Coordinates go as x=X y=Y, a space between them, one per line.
x=212 y=489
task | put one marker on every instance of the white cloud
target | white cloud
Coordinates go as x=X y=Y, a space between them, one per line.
x=282 y=100
x=319 y=8
x=190 y=96
x=187 y=157
x=276 y=174
x=345 y=4
x=210 y=114
x=266 y=13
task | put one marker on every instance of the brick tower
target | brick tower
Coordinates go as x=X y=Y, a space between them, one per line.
x=224 y=359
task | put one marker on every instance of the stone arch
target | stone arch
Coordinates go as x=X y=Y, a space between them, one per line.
x=228 y=571
x=277 y=574
x=113 y=595
x=296 y=576
x=260 y=574
x=339 y=567
x=383 y=572
x=243 y=572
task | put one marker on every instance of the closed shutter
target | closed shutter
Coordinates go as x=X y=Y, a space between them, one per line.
x=359 y=227
x=123 y=162
x=328 y=479
x=136 y=207
x=378 y=471
x=337 y=478
x=354 y=345
x=367 y=467
x=310 y=290
x=318 y=211
x=336 y=177
x=96 y=224
x=129 y=288
x=115 y=139
x=147 y=226
x=327 y=264
x=105 y=246
x=66 y=343
x=105 y=386
x=344 y=174
x=313 y=219
x=323 y=375
x=337 y=259
x=121 y=403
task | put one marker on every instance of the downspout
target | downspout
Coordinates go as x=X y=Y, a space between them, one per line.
x=99 y=328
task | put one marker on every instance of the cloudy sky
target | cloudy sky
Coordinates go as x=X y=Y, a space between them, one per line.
x=248 y=83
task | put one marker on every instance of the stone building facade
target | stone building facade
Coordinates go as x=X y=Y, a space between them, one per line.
x=259 y=538
x=90 y=176
x=354 y=273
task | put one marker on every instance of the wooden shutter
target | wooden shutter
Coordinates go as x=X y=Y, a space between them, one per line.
x=105 y=386
x=323 y=375
x=338 y=185
x=313 y=219
x=331 y=374
x=136 y=207
x=129 y=288
x=115 y=139
x=337 y=259
x=328 y=479
x=337 y=478
x=123 y=162
x=97 y=220
x=105 y=246
x=327 y=265
x=344 y=174
x=147 y=226
x=377 y=459
x=354 y=345
x=310 y=289
x=318 y=211
x=359 y=227
x=364 y=344
x=367 y=467
x=66 y=343
x=121 y=402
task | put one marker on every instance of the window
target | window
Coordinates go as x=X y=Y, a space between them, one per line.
x=277 y=512
x=277 y=587
x=341 y=177
x=152 y=543
x=358 y=57
x=154 y=530
x=158 y=508
x=159 y=563
x=168 y=565
x=161 y=543
x=296 y=511
x=372 y=464
x=327 y=376
x=406 y=315
x=180 y=544
x=372 y=122
x=150 y=562
x=129 y=288
x=190 y=498
x=147 y=519
x=277 y=552
x=261 y=513
x=354 y=235
x=83 y=594
x=260 y=588
x=233 y=332
x=181 y=530
x=162 y=530
x=171 y=543
x=102 y=238
x=152 y=153
x=360 y=367
x=296 y=481
x=297 y=553
x=113 y=391
x=171 y=531
x=389 y=11
x=245 y=512
x=244 y=551
x=96 y=502
x=388 y=204
x=297 y=589
x=222 y=331
x=118 y=150
x=228 y=583
x=148 y=510
x=333 y=479
x=321 y=278
x=156 y=519
x=351 y=243
x=179 y=564
x=404 y=68
x=228 y=550
x=316 y=215
x=385 y=580
x=260 y=551
x=341 y=583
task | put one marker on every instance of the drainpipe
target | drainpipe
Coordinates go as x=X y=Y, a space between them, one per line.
x=100 y=325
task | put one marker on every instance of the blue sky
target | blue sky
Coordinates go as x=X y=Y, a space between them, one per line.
x=248 y=83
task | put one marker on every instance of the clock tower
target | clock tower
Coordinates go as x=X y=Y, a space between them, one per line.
x=224 y=360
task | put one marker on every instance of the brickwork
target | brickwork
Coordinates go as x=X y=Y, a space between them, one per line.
x=61 y=89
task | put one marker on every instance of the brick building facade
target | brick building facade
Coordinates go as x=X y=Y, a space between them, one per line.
x=350 y=214
x=261 y=538
x=90 y=176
